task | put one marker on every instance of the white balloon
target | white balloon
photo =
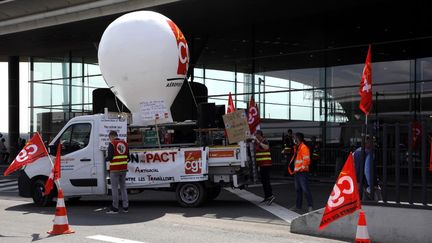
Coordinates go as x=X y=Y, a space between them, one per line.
x=143 y=56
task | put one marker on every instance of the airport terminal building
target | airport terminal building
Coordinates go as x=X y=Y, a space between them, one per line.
x=301 y=61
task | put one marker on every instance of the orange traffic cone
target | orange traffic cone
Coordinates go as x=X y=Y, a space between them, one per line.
x=362 y=235
x=61 y=225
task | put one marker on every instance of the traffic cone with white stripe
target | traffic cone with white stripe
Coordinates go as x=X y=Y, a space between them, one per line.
x=362 y=235
x=61 y=224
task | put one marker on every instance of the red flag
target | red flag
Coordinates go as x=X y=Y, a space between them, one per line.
x=230 y=107
x=253 y=116
x=344 y=199
x=55 y=172
x=365 y=90
x=32 y=151
x=416 y=134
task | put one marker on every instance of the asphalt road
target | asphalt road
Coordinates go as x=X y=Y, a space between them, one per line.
x=153 y=216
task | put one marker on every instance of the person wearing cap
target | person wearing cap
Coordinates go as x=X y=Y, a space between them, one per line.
x=118 y=155
x=264 y=162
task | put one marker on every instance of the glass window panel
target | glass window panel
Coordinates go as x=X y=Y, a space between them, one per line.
x=77 y=69
x=59 y=70
x=217 y=74
x=395 y=71
x=97 y=82
x=41 y=70
x=42 y=94
x=77 y=95
x=219 y=87
x=345 y=75
x=91 y=69
x=275 y=111
x=242 y=101
x=425 y=66
x=60 y=95
x=301 y=112
x=198 y=72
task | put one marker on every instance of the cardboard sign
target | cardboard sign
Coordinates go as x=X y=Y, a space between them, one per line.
x=154 y=112
x=107 y=125
x=236 y=126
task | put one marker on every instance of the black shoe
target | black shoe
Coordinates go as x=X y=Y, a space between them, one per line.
x=125 y=209
x=265 y=199
x=112 y=210
x=271 y=199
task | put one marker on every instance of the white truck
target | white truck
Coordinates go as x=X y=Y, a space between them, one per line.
x=194 y=173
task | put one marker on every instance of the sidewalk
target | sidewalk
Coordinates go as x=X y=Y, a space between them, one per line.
x=284 y=191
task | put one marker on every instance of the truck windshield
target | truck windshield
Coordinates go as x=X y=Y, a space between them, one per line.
x=75 y=137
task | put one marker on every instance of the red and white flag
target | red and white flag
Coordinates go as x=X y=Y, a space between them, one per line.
x=254 y=119
x=55 y=172
x=365 y=90
x=230 y=107
x=344 y=199
x=33 y=150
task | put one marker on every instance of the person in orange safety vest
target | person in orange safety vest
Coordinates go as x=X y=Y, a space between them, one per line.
x=264 y=162
x=118 y=155
x=301 y=160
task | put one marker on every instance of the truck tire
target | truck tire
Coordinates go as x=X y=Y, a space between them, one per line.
x=190 y=194
x=213 y=192
x=38 y=188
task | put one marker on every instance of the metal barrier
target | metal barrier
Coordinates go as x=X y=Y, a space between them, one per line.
x=399 y=174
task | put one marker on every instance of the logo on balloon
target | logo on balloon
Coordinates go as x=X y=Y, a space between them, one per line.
x=183 y=50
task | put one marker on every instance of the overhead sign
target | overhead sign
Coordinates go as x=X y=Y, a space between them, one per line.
x=107 y=125
x=167 y=166
x=236 y=126
x=154 y=112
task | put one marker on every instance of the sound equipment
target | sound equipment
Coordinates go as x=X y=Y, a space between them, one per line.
x=206 y=115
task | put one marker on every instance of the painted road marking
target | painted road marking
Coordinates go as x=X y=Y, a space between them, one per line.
x=112 y=239
x=275 y=209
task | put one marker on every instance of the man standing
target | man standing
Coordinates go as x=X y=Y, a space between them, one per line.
x=288 y=148
x=264 y=161
x=118 y=155
x=301 y=161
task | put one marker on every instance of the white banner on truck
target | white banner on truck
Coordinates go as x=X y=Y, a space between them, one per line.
x=107 y=125
x=166 y=166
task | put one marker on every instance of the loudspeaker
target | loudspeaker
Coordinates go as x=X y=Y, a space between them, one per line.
x=220 y=111
x=105 y=98
x=184 y=106
x=206 y=115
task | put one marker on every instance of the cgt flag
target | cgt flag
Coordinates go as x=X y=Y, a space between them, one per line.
x=344 y=199
x=230 y=107
x=55 y=172
x=32 y=151
x=365 y=90
x=253 y=116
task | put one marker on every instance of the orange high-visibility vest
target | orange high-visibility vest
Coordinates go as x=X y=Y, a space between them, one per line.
x=262 y=156
x=120 y=156
x=301 y=159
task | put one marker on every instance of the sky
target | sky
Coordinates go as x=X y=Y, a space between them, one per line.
x=24 y=97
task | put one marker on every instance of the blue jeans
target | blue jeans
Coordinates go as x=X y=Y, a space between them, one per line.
x=301 y=182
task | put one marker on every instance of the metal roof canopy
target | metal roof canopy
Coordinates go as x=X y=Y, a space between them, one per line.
x=275 y=34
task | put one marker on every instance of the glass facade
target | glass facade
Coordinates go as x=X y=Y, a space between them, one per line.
x=61 y=88
x=321 y=102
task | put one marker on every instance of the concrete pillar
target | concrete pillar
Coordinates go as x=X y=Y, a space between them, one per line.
x=14 y=133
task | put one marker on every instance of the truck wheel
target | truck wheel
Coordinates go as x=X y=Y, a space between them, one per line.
x=38 y=188
x=213 y=192
x=190 y=194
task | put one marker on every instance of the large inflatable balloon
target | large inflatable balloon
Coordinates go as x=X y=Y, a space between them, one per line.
x=143 y=57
